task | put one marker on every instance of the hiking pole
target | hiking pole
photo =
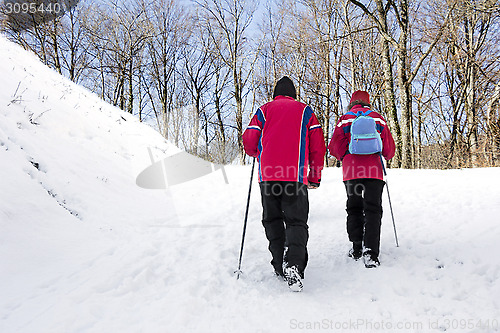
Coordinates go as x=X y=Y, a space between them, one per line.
x=245 y=223
x=390 y=204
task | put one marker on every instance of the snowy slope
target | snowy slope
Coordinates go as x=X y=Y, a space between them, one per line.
x=83 y=249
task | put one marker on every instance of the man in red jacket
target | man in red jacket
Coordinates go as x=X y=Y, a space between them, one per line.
x=364 y=181
x=287 y=139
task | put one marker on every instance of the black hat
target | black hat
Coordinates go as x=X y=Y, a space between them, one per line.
x=285 y=87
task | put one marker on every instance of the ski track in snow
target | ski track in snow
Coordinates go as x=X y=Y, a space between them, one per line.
x=83 y=249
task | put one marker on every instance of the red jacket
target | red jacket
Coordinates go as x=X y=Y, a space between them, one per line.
x=360 y=166
x=286 y=138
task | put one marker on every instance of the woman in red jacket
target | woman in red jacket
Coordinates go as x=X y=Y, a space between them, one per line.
x=287 y=139
x=364 y=181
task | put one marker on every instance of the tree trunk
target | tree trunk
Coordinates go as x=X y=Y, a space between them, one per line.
x=73 y=47
x=456 y=111
x=197 y=118
x=130 y=106
x=221 y=132
x=406 y=113
x=239 y=109
x=405 y=89
x=350 y=40
x=418 y=158
x=470 y=92
x=472 y=116
x=55 y=46
x=494 y=126
x=389 y=95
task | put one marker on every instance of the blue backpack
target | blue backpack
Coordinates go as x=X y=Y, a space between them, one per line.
x=365 y=139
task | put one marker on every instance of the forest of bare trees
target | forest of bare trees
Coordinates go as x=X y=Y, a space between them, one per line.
x=197 y=70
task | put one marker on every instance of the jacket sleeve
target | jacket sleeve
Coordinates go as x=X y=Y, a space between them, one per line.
x=252 y=134
x=389 y=147
x=339 y=144
x=317 y=150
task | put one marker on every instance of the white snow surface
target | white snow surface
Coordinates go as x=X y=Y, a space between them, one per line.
x=84 y=249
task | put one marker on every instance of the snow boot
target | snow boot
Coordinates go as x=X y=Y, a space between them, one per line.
x=356 y=251
x=293 y=278
x=370 y=259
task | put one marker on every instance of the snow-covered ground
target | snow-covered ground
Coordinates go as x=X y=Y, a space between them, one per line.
x=84 y=249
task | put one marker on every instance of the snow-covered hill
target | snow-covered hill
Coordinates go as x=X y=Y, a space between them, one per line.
x=83 y=249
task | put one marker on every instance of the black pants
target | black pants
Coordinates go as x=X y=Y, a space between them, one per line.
x=285 y=211
x=364 y=212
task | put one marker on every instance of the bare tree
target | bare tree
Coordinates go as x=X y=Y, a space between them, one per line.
x=194 y=71
x=326 y=48
x=380 y=19
x=197 y=72
x=405 y=74
x=228 y=20
x=166 y=19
